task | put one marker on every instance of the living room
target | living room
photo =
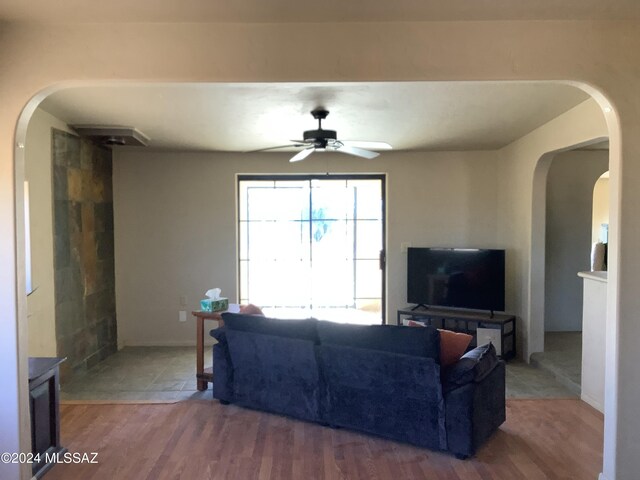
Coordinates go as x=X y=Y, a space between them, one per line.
x=515 y=177
x=159 y=194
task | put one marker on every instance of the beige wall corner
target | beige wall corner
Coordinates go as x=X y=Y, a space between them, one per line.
x=38 y=171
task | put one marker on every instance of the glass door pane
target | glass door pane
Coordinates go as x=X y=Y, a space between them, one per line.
x=311 y=247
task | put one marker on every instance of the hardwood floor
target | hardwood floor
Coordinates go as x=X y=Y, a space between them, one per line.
x=201 y=439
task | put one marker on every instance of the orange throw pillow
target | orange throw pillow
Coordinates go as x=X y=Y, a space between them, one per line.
x=452 y=346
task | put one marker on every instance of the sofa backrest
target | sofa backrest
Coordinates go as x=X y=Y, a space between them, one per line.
x=377 y=377
x=274 y=364
x=416 y=342
x=390 y=394
x=301 y=329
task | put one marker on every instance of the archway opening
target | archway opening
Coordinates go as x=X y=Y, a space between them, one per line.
x=568 y=315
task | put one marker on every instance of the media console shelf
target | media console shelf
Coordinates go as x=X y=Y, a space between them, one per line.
x=467 y=322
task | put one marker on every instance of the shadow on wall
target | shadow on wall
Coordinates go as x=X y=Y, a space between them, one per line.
x=569 y=221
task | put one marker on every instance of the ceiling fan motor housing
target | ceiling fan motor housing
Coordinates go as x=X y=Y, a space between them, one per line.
x=320 y=138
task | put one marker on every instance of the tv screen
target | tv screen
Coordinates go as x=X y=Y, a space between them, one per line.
x=456 y=277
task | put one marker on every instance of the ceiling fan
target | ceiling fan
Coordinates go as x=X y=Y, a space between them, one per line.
x=323 y=140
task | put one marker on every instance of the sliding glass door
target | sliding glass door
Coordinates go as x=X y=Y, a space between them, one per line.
x=313 y=246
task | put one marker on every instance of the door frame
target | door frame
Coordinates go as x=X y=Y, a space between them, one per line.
x=325 y=176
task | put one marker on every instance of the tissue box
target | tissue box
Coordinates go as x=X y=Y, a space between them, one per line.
x=217 y=305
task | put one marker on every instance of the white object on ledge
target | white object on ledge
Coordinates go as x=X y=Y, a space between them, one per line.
x=490 y=335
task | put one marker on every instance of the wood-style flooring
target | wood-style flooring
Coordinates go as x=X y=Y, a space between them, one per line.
x=201 y=439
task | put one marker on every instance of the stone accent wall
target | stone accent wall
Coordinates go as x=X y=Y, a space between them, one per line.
x=86 y=330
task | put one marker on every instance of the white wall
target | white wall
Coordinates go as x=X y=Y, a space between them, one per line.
x=175 y=223
x=601 y=56
x=568 y=234
x=600 y=207
x=38 y=170
x=522 y=203
x=593 y=335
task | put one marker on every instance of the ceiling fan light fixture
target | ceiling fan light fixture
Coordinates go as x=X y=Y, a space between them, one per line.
x=327 y=140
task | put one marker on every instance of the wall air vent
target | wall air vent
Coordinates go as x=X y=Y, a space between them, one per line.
x=112 y=136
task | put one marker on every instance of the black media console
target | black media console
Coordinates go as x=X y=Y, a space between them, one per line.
x=467 y=321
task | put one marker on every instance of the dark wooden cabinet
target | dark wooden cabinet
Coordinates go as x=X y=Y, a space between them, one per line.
x=44 y=394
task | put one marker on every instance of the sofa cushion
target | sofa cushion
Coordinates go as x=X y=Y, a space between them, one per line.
x=301 y=329
x=472 y=367
x=417 y=342
x=397 y=396
x=452 y=346
x=275 y=373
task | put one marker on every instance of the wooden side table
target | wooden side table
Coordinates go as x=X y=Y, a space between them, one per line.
x=204 y=376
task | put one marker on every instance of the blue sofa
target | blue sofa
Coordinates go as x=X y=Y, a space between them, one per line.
x=382 y=379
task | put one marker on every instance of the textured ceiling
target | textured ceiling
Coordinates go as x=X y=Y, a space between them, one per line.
x=285 y=11
x=241 y=117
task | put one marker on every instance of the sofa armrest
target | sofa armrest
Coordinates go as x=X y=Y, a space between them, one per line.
x=222 y=385
x=474 y=400
x=474 y=366
x=220 y=334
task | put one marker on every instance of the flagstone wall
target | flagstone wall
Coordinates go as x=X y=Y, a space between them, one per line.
x=86 y=330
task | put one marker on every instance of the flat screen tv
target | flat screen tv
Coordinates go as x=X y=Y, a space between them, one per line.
x=456 y=277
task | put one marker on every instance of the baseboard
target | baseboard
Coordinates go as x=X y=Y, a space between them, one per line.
x=117 y=402
x=593 y=402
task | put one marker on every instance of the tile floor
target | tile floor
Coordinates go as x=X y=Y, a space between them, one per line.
x=167 y=374
x=527 y=381
x=161 y=374
x=562 y=357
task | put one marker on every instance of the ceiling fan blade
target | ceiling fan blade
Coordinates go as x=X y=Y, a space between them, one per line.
x=358 y=152
x=302 y=155
x=275 y=148
x=371 y=145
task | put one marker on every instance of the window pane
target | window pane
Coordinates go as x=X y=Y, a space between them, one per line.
x=332 y=240
x=277 y=240
x=243 y=240
x=331 y=199
x=310 y=247
x=332 y=283
x=368 y=239
x=368 y=280
x=277 y=203
x=244 y=187
x=279 y=283
x=368 y=199
x=244 y=282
